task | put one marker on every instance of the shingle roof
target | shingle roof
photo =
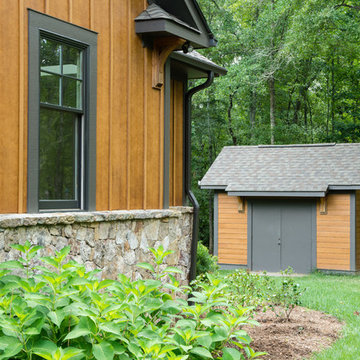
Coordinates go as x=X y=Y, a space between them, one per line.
x=197 y=59
x=155 y=12
x=287 y=168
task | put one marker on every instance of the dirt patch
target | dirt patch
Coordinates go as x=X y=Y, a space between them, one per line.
x=307 y=331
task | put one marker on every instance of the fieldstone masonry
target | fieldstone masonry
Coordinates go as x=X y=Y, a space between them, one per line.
x=112 y=241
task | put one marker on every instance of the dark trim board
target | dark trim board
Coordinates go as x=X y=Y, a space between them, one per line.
x=353 y=231
x=293 y=194
x=216 y=224
x=167 y=111
x=232 y=266
x=249 y=234
x=40 y=24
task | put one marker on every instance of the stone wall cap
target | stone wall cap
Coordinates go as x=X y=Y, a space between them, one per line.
x=17 y=220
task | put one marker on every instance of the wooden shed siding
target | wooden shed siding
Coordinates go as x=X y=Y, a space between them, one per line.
x=357 y=230
x=333 y=234
x=232 y=231
x=129 y=111
x=176 y=143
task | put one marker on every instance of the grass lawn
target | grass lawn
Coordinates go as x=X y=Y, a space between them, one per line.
x=338 y=296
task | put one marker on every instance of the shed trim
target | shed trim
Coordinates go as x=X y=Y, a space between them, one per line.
x=216 y=224
x=353 y=231
x=344 y=187
x=249 y=234
x=277 y=193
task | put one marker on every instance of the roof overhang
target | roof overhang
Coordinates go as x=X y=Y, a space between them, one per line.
x=195 y=66
x=302 y=194
x=156 y=22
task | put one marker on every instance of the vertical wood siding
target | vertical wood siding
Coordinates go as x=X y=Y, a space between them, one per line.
x=357 y=230
x=333 y=234
x=232 y=231
x=176 y=143
x=129 y=111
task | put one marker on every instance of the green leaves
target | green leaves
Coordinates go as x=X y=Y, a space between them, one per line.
x=231 y=354
x=85 y=327
x=69 y=314
x=202 y=352
x=9 y=347
x=103 y=351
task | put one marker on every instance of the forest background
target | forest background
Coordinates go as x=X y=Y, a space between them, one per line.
x=293 y=77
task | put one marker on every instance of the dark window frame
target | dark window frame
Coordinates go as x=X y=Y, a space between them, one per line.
x=41 y=25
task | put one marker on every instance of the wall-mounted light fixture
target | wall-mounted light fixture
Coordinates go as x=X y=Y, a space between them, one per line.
x=187 y=47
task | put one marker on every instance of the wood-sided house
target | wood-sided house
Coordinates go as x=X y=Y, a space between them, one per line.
x=289 y=205
x=93 y=100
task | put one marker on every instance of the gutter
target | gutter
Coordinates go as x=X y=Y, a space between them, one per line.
x=187 y=142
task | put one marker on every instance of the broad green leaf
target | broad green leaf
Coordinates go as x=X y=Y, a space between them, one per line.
x=85 y=327
x=205 y=341
x=50 y=261
x=11 y=264
x=56 y=317
x=173 y=269
x=44 y=348
x=35 y=328
x=10 y=346
x=18 y=247
x=110 y=327
x=146 y=266
x=231 y=354
x=72 y=353
x=103 y=351
x=202 y=352
x=76 y=333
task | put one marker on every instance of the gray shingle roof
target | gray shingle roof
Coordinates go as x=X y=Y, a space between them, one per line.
x=288 y=168
x=155 y=12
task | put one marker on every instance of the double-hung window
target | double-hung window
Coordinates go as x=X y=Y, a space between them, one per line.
x=62 y=115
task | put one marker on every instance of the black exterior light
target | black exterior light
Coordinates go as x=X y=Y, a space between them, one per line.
x=187 y=47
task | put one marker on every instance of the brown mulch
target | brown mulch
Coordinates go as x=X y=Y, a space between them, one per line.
x=308 y=331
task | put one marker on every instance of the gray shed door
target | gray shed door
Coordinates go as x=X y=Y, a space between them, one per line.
x=282 y=235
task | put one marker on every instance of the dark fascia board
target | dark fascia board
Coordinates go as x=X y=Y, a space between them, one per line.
x=344 y=187
x=213 y=187
x=308 y=194
x=200 y=20
x=202 y=66
x=165 y=28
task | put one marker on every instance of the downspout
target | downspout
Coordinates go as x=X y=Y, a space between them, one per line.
x=187 y=142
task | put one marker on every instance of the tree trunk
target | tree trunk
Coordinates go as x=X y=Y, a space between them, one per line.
x=272 y=108
x=252 y=112
x=332 y=96
x=230 y=128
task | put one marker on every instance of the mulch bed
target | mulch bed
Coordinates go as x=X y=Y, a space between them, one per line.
x=308 y=331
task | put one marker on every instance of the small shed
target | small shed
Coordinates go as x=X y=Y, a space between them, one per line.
x=287 y=205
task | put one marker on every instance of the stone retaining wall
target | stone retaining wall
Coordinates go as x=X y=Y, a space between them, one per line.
x=113 y=241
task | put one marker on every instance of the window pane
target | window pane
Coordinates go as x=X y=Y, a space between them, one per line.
x=72 y=93
x=50 y=55
x=49 y=88
x=71 y=61
x=59 y=155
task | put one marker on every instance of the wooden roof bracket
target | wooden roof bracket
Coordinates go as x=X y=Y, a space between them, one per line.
x=241 y=204
x=323 y=206
x=162 y=48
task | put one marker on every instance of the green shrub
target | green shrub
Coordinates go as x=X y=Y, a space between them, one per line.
x=285 y=296
x=249 y=289
x=260 y=291
x=205 y=262
x=59 y=311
